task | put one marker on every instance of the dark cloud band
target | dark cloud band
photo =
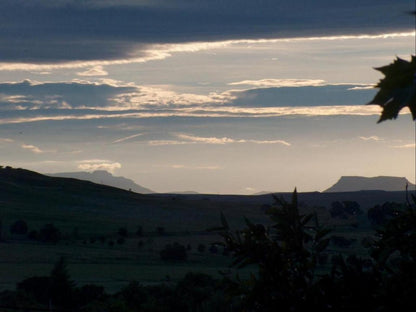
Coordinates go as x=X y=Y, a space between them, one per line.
x=61 y=31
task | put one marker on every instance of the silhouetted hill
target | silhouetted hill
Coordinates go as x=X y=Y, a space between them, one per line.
x=106 y=178
x=382 y=183
x=97 y=208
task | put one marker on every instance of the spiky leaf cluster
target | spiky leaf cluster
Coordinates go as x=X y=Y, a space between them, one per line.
x=397 y=88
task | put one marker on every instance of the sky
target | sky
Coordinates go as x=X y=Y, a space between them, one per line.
x=212 y=96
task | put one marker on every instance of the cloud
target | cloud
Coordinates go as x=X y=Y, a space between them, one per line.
x=98 y=164
x=31 y=101
x=153 y=97
x=161 y=51
x=34 y=95
x=71 y=31
x=226 y=140
x=411 y=145
x=278 y=83
x=32 y=148
x=371 y=138
x=297 y=92
x=6 y=140
x=186 y=139
x=127 y=138
x=166 y=142
x=189 y=167
x=94 y=71
x=206 y=140
x=205 y=112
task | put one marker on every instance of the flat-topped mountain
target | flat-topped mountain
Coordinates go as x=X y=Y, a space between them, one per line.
x=106 y=178
x=381 y=183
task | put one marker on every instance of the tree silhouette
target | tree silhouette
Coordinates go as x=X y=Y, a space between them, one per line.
x=286 y=255
x=61 y=286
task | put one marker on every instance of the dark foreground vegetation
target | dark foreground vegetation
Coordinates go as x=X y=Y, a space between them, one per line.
x=292 y=271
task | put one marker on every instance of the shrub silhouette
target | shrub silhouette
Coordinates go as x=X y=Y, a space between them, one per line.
x=175 y=252
x=201 y=248
x=160 y=230
x=19 y=227
x=139 y=231
x=379 y=215
x=49 y=233
x=37 y=286
x=123 y=232
x=345 y=209
x=286 y=256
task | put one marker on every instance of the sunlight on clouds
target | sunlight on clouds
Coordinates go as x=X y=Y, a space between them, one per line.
x=148 y=96
x=98 y=164
x=6 y=140
x=277 y=83
x=94 y=71
x=371 y=138
x=225 y=140
x=32 y=148
x=162 y=51
x=213 y=111
x=411 y=145
x=207 y=140
x=166 y=142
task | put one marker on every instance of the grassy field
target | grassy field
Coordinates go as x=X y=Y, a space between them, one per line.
x=89 y=216
x=109 y=266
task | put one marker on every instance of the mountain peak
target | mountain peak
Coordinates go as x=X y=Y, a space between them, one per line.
x=106 y=178
x=359 y=183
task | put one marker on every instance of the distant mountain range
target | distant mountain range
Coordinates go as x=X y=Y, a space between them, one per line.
x=71 y=202
x=105 y=178
x=382 y=183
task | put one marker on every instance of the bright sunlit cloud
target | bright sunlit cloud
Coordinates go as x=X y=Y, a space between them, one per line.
x=371 y=138
x=99 y=164
x=32 y=148
x=93 y=72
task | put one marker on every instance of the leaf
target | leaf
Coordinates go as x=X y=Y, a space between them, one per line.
x=322 y=245
x=397 y=88
x=224 y=222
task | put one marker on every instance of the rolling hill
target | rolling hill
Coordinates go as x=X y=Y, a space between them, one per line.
x=96 y=207
x=106 y=178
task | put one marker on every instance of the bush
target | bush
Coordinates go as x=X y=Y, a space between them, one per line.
x=49 y=233
x=160 y=230
x=33 y=235
x=19 y=227
x=175 y=252
x=213 y=249
x=201 y=247
x=37 y=286
x=139 y=231
x=345 y=209
x=123 y=232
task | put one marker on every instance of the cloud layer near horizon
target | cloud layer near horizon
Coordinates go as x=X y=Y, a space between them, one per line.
x=29 y=101
x=43 y=31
